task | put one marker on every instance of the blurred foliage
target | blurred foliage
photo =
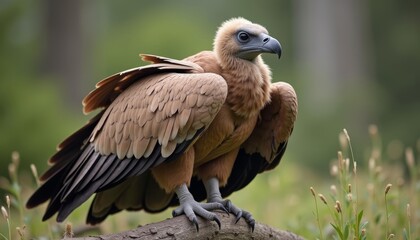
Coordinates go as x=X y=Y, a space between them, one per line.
x=35 y=115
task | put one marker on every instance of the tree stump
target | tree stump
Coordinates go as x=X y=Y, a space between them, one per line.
x=181 y=228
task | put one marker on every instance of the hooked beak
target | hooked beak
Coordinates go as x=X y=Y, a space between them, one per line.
x=262 y=43
x=271 y=45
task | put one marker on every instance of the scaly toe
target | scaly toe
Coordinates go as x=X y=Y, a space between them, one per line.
x=238 y=213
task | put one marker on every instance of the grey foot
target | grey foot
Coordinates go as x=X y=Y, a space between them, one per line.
x=239 y=213
x=191 y=208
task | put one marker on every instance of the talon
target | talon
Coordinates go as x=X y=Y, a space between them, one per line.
x=249 y=219
x=192 y=208
x=252 y=223
x=238 y=217
x=217 y=220
x=228 y=204
x=195 y=222
x=224 y=210
x=175 y=214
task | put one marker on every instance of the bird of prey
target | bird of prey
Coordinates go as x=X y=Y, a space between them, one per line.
x=176 y=132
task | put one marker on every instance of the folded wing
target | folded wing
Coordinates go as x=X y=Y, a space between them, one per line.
x=152 y=114
x=265 y=147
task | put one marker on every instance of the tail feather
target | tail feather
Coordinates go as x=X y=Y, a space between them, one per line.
x=69 y=150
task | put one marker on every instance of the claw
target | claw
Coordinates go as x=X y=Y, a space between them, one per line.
x=238 y=217
x=228 y=205
x=252 y=226
x=214 y=196
x=217 y=220
x=224 y=210
x=192 y=208
x=249 y=219
x=195 y=222
x=175 y=214
x=238 y=213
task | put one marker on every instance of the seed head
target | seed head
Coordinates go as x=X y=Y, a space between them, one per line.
x=349 y=187
x=334 y=170
x=323 y=199
x=343 y=140
x=333 y=189
x=346 y=134
x=409 y=157
x=312 y=191
x=408 y=211
x=387 y=188
x=4 y=213
x=8 y=201
x=349 y=197
x=338 y=206
x=34 y=171
x=68 y=232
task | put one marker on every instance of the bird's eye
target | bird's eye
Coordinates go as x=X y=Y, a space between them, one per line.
x=243 y=37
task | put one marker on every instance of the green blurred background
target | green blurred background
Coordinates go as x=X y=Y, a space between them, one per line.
x=352 y=63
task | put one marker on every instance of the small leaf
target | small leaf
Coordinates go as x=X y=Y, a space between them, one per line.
x=346 y=231
x=339 y=232
x=359 y=217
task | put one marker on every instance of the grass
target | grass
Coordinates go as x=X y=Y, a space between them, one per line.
x=366 y=205
x=369 y=198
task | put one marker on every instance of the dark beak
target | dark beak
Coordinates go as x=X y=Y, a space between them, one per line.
x=263 y=43
x=271 y=45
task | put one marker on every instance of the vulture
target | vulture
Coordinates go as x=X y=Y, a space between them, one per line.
x=183 y=133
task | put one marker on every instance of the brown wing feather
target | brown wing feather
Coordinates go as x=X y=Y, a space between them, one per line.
x=142 y=134
x=276 y=122
x=177 y=121
x=109 y=88
x=264 y=148
x=174 y=122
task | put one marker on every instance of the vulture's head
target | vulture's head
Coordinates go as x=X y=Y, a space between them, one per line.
x=240 y=38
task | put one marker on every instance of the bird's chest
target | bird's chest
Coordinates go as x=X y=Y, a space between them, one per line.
x=226 y=133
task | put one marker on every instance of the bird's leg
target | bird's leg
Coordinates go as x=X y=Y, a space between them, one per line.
x=214 y=196
x=190 y=207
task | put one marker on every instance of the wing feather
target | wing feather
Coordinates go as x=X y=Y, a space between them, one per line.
x=151 y=116
x=266 y=145
x=174 y=120
x=276 y=123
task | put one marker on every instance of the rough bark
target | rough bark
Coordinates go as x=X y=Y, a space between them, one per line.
x=180 y=228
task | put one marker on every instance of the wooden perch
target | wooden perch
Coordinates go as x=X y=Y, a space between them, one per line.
x=180 y=228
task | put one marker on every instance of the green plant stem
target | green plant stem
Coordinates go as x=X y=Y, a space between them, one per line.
x=317 y=218
x=3 y=236
x=387 y=217
x=356 y=190
x=8 y=226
